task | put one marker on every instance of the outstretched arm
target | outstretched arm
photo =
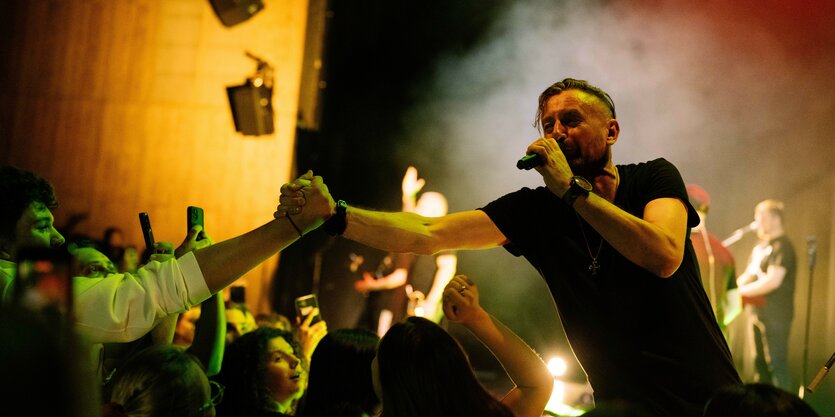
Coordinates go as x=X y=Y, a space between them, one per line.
x=226 y=261
x=394 y=232
x=534 y=382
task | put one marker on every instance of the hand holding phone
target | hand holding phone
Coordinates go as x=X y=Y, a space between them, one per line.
x=147 y=233
x=194 y=217
x=305 y=305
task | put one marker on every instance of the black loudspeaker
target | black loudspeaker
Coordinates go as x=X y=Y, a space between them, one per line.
x=232 y=12
x=252 y=109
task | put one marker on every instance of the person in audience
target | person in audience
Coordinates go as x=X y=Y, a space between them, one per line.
x=420 y=370
x=239 y=321
x=263 y=374
x=186 y=326
x=25 y=221
x=162 y=380
x=756 y=400
x=340 y=376
x=273 y=319
x=124 y=307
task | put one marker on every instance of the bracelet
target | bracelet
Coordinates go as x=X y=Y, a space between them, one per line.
x=294 y=225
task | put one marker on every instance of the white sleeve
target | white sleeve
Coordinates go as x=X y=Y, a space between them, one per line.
x=124 y=307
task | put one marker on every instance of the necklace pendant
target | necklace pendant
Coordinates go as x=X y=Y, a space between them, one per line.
x=594 y=267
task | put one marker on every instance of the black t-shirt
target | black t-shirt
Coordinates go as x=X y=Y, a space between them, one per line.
x=640 y=338
x=779 y=304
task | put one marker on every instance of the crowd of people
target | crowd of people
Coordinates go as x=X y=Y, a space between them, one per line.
x=155 y=337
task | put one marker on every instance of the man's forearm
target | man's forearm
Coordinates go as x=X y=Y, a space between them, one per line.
x=412 y=233
x=642 y=242
x=224 y=262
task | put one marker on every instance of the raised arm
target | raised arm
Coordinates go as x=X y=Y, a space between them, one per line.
x=654 y=241
x=210 y=334
x=534 y=382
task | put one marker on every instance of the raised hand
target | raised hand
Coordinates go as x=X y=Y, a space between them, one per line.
x=461 y=301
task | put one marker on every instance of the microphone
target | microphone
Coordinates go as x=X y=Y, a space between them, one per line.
x=738 y=233
x=529 y=161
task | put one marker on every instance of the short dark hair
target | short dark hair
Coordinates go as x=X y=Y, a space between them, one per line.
x=19 y=189
x=573 y=84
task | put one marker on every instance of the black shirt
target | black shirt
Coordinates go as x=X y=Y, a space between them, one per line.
x=779 y=304
x=640 y=338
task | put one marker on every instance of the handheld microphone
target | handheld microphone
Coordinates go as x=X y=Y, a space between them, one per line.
x=529 y=161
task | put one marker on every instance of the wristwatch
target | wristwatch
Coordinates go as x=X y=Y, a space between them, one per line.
x=336 y=224
x=577 y=186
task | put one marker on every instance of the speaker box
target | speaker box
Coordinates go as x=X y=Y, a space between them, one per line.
x=232 y=12
x=252 y=109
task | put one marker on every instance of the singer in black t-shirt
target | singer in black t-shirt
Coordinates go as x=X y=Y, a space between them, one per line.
x=609 y=240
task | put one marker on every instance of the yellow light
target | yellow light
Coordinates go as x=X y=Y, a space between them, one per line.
x=557 y=366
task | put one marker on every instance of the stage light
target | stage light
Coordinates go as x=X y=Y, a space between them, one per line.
x=557 y=366
x=232 y=12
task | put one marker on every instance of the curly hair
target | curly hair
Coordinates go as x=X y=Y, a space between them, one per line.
x=21 y=188
x=243 y=370
x=572 y=84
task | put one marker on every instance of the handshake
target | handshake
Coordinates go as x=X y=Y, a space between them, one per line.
x=306 y=202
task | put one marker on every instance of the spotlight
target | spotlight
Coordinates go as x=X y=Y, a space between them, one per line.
x=232 y=12
x=251 y=102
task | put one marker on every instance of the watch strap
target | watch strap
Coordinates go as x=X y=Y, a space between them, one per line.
x=336 y=224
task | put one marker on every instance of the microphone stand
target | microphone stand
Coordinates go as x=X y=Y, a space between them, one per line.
x=811 y=250
x=822 y=373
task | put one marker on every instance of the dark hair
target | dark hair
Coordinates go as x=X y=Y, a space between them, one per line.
x=756 y=400
x=19 y=189
x=425 y=372
x=159 y=381
x=340 y=375
x=243 y=369
x=572 y=84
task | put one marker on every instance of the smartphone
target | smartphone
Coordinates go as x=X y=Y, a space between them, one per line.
x=194 y=217
x=44 y=280
x=237 y=294
x=147 y=233
x=304 y=305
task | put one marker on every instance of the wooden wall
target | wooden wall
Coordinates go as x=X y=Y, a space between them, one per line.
x=122 y=105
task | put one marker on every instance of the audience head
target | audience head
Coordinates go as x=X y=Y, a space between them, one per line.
x=239 y=321
x=26 y=212
x=162 y=380
x=279 y=321
x=186 y=326
x=756 y=400
x=262 y=372
x=340 y=375
x=90 y=261
x=420 y=370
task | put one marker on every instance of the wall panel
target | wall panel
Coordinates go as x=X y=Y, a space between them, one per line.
x=122 y=105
